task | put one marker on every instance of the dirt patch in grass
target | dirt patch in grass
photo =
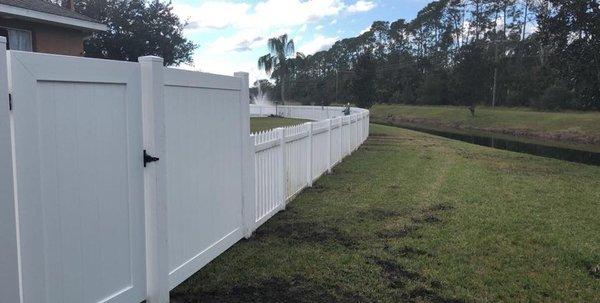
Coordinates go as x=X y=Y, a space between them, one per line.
x=408 y=251
x=425 y=216
x=298 y=289
x=318 y=233
x=594 y=270
x=338 y=171
x=422 y=294
x=429 y=215
x=316 y=188
x=398 y=277
x=397 y=233
x=394 y=271
x=376 y=214
x=440 y=207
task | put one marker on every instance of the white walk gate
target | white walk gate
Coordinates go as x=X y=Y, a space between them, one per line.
x=77 y=141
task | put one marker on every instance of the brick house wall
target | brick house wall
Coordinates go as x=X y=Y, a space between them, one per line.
x=48 y=38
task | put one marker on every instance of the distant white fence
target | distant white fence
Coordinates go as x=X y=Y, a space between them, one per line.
x=289 y=159
x=119 y=180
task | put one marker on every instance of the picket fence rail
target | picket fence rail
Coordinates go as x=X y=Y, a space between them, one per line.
x=119 y=180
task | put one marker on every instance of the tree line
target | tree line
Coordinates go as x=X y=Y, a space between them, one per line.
x=536 y=53
x=135 y=28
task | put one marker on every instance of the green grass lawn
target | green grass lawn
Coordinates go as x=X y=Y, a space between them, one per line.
x=576 y=127
x=417 y=218
x=266 y=123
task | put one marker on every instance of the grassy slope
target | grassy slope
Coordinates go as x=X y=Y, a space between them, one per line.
x=266 y=123
x=582 y=127
x=413 y=217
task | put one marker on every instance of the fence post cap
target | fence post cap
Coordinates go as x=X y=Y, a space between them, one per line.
x=150 y=59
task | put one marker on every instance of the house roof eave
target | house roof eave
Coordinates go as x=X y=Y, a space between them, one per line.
x=28 y=14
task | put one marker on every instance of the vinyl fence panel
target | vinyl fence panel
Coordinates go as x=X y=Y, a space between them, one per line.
x=320 y=148
x=297 y=155
x=78 y=144
x=268 y=172
x=336 y=140
x=204 y=168
x=309 y=150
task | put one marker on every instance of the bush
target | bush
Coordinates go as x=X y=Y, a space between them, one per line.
x=554 y=97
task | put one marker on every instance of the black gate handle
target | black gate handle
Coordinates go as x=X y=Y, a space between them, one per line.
x=149 y=159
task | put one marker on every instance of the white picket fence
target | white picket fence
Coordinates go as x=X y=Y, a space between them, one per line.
x=289 y=159
x=83 y=218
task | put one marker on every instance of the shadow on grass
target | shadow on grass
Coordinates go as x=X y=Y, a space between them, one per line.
x=298 y=289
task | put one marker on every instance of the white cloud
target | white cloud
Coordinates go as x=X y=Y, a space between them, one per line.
x=225 y=64
x=265 y=14
x=361 y=6
x=241 y=41
x=365 y=30
x=212 y=14
x=282 y=13
x=319 y=27
x=319 y=43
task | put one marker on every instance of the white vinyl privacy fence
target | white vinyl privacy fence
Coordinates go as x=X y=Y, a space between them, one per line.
x=119 y=180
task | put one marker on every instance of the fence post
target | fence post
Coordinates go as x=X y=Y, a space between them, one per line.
x=248 y=187
x=342 y=144
x=248 y=212
x=365 y=126
x=329 y=146
x=155 y=182
x=356 y=132
x=368 y=123
x=309 y=175
x=9 y=259
x=282 y=172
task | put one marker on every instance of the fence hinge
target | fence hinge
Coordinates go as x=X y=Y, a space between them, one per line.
x=10 y=105
x=148 y=158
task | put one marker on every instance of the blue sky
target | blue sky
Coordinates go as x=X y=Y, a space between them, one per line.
x=232 y=34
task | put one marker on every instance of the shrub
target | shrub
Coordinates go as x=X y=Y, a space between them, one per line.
x=554 y=97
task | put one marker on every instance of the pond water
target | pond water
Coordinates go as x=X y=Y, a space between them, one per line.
x=562 y=153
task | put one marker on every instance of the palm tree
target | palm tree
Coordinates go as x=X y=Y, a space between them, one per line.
x=275 y=63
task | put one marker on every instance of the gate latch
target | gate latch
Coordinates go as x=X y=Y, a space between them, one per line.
x=148 y=158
